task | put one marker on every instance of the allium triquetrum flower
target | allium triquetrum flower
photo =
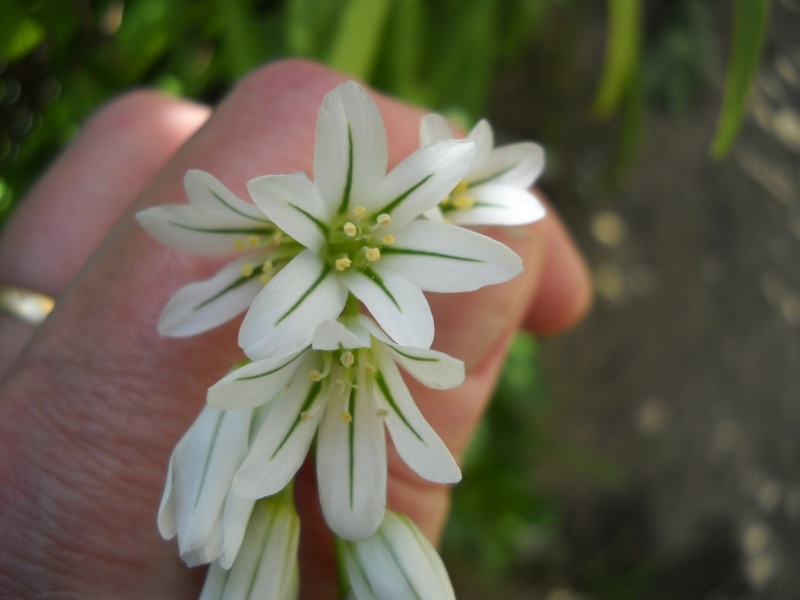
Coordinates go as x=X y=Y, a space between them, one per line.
x=266 y=566
x=495 y=190
x=396 y=563
x=198 y=504
x=344 y=389
x=361 y=234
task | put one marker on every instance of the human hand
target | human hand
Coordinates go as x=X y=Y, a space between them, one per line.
x=92 y=408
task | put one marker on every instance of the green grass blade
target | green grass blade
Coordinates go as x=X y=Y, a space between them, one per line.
x=749 y=27
x=358 y=39
x=622 y=53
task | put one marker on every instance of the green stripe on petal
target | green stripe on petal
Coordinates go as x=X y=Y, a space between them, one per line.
x=236 y=284
x=313 y=392
x=348 y=185
x=227 y=205
x=399 y=200
x=378 y=280
x=386 y=250
x=387 y=394
x=491 y=177
x=323 y=274
x=323 y=228
x=226 y=230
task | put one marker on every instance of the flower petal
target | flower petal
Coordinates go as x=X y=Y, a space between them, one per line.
x=516 y=164
x=205 y=191
x=283 y=441
x=499 y=204
x=350 y=153
x=415 y=440
x=397 y=563
x=421 y=181
x=267 y=559
x=200 y=231
x=443 y=258
x=483 y=137
x=434 y=128
x=256 y=383
x=333 y=335
x=294 y=204
x=289 y=309
x=203 y=305
x=235 y=517
x=396 y=304
x=204 y=462
x=351 y=463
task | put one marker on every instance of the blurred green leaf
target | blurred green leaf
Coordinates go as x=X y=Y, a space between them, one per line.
x=357 y=42
x=242 y=49
x=623 y=42
x=24 y=35
x=749 y=27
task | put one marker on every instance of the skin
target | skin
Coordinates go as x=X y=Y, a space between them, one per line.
x=93 y=400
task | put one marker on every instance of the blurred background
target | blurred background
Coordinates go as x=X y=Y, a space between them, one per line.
x=653 y=452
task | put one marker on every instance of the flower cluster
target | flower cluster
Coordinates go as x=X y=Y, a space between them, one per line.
x=331 y=273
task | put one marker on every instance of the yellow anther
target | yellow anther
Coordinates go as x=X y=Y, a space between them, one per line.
x=463 y=202
x=347 y=416
x=239 y=245
x=265 y=278
x=348 y=359
x=253 y=240
x=389 y=239
x=370 y=369
x=350 y=230
x=267 y=266
x=315 y=375
x=384 y=220
x=359 y=211
x=461 y=188
x=343 y=263
x=247 y=270
x=373 y=254
x=306 y=416
x=277 y=236
x=382 y=412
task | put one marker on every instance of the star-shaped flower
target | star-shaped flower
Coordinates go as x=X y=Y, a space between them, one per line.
x=344 y=389
x=361 y=234
x=495 y=190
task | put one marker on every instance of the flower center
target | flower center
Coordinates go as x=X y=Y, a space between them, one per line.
x=356 y=240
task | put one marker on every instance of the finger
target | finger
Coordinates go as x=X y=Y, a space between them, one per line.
x=107 y=394
x=72 y=208
x=564 y=294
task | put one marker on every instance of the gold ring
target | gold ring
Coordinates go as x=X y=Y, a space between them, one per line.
x=25 y=305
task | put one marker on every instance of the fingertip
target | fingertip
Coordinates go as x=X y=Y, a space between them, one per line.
x=565 y=291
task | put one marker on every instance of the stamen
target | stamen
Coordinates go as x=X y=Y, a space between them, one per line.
x=350 y=230
x=306 y=416
x=315 y=375
x=389 y=239
x=370 y=369
x=462 y=187
x=463 y=202
x=239 y=245
x=373 y=254
x=359 y=211
x=343 y=263
x=384 y=219
x=348 y=359
x=247 y=269
x=347 y=416
x=252 y=240
x=265 y=278
x=382 y=412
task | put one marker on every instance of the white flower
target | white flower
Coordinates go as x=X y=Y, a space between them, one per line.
x=396 y=563
x=215 y=223
x=344 y=389
x=198 y=505
x=266 y=566
x=361 y=235
x=495 y=190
